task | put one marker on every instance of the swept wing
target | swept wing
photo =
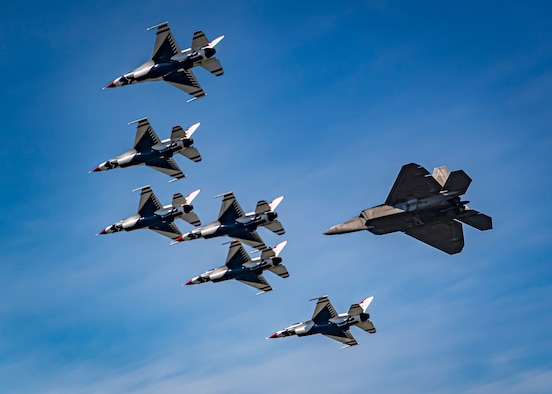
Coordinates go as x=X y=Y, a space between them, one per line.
x=446 y=236
x=413 y=181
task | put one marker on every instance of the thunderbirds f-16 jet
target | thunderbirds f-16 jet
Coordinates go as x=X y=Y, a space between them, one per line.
x=233 y=222
x=241 y=267
x=150 y=150
x=327 y=322
x=170 y=64
x=151 y=214
x=426 y=207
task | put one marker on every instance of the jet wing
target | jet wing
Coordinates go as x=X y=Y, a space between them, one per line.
x=344 y=337
x=165 y=45
x=324 y=310
x=167 y=229
x=250 y=238
x=145 y=136
x=476 y=219
x=148 y=202
x=230 y=209
x=446 y=236
x=413 y=181
x=166 y=166
x=185 y=80
x=257 y=281
x=237 y=256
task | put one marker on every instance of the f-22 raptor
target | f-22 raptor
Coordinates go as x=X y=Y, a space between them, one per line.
x=426 y=207
x=233 y=222
x=170 y=64
x=240 y=266
x=152 y=215
x=150 y=150
x=327 y=322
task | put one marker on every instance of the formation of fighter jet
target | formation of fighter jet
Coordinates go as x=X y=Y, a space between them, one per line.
x=170 y=64
x=426 y=207
x=150 y=150
x=240 y=266
x=327 y=322
x=233 y=222
x=152 y=215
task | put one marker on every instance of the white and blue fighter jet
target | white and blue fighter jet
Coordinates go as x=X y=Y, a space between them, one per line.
x=327 y=322
x=154 y=216
x=150 y=150
x=240 y=266
x=233 y=222
x=168 y=63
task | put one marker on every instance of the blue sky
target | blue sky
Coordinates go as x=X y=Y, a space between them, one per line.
x=322 y=102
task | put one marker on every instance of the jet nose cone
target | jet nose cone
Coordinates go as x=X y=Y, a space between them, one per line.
x=103 y=232
x=351 y=225
x=275 y=335
x=96 y=169
x=111 y=85
x=189 y=282
x=331 y=230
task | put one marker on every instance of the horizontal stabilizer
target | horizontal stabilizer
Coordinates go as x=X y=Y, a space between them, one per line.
x=367 y=326
x=179 y=199
x=280 y=270
x=191 y=153
x=213 y=66
x=262 y=207
x=476 y=219
x=191 y=218
x=276 y=227
x=179 y=133
x=457 y=181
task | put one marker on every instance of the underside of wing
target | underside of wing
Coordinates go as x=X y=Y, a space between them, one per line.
x=148 y=202
x=414 y=181
x=166 y=166
x=167 y=229
x=324 y=311
x=185 y=80
x=145 y=136
x=165 y=45
x=446 y=236
x=237 y=256
x=250 y=238
x=344 y=337
x=257 y=281
x=230 y=209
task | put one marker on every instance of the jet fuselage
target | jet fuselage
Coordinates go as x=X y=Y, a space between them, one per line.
x=242 y=226
x=151 y=71
x=334 y=326
x=384 y=219
x=164 y=150
x=256 y=266
x=166 y=214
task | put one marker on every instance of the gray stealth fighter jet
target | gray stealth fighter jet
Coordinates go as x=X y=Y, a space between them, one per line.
x=327 y=322
x=150 y=150
x=152 y=215
x=233 y=222
x=240 y=266
x=170 y=64
x=426 y=207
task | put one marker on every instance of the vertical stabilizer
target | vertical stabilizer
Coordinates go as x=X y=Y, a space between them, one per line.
x=366 y=303
x=274 y=203
x=441 y=174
